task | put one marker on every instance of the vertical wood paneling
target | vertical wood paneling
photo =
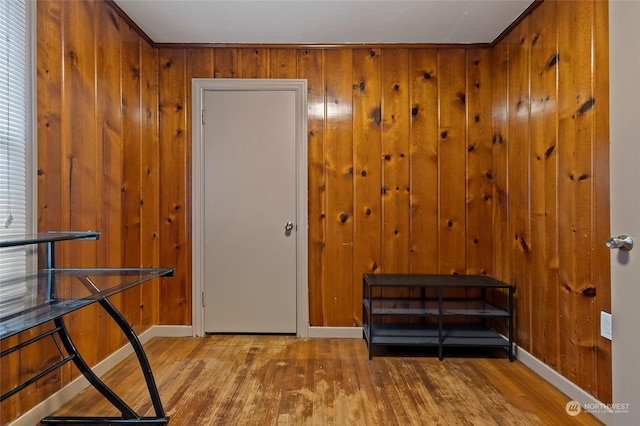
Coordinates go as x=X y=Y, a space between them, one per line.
x=175 y=241
x=82 y=132
x=558 y=56
x=49 y=107
x=283 y=63
x=423 y=157
x=109 y=140
x=518 y=241
x=82 y=183
x=367 y=145
x=479 y=238
x=149 y=181
x=338 y=158
x=131 y=118
x=602 y=208
x=395 y=164
x=543 y=192
x=311 y=67
x=226 y=63
x=254 y=63
x=575 y=192
x=50 y=203
x=499 y=152
x=452 y=154
x=9 y=379
x=131 y=186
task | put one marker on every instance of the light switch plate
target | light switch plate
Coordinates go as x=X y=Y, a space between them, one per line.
x=606 y=325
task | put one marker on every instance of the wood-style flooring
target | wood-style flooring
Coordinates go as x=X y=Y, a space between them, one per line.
x=281 y=380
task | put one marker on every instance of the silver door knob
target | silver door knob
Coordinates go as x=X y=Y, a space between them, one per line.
x=622 y=242
x=288 y=226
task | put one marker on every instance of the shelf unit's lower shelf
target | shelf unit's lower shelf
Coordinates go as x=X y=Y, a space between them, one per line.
x=427 y=335
x=402 y=334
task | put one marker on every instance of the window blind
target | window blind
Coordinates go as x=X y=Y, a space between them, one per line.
x=14 y=161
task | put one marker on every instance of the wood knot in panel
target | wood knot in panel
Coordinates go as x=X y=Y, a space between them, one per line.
x=376 y=114
x=579 y=178
x=497 y=139
x=535 y=39
x=114 y=20
x=586 y=106
x=553 y=61
x=549 y=151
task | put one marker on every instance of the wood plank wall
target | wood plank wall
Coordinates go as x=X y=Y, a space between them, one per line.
x=551 y=176
x=422 y=159
x=98 y=169
x=389 y=146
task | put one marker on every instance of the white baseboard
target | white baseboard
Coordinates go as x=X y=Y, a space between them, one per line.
x=563 y=384
x=64 y=395
x=168 y=331
x=335 y=332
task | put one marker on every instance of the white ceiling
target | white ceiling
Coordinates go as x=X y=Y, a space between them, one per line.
x=323 y=21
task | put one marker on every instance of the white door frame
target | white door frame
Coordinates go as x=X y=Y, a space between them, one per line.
x=624 y=61
x=299 y=87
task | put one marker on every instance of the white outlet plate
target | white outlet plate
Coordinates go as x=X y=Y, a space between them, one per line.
x=606 y=325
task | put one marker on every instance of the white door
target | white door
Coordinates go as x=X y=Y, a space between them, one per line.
x=249 y=211
x=624 y=34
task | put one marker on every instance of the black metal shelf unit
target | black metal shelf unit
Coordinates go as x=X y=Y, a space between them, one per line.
x=435 y=317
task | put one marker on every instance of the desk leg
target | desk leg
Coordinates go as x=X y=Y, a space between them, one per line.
x=142 y=357
x=128 y=415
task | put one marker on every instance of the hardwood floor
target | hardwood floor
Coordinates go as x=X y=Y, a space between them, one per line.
x=281 y=380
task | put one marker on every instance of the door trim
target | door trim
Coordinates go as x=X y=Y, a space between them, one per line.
x=299 y=87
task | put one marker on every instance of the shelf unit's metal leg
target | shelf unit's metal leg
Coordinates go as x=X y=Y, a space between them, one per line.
x=440 y=325
x=369 y=316
x=511 y=354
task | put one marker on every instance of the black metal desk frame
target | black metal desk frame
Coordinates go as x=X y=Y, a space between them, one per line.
x=52 y=310
x=440 y=335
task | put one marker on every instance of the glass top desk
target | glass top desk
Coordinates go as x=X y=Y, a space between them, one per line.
x=50 y=294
